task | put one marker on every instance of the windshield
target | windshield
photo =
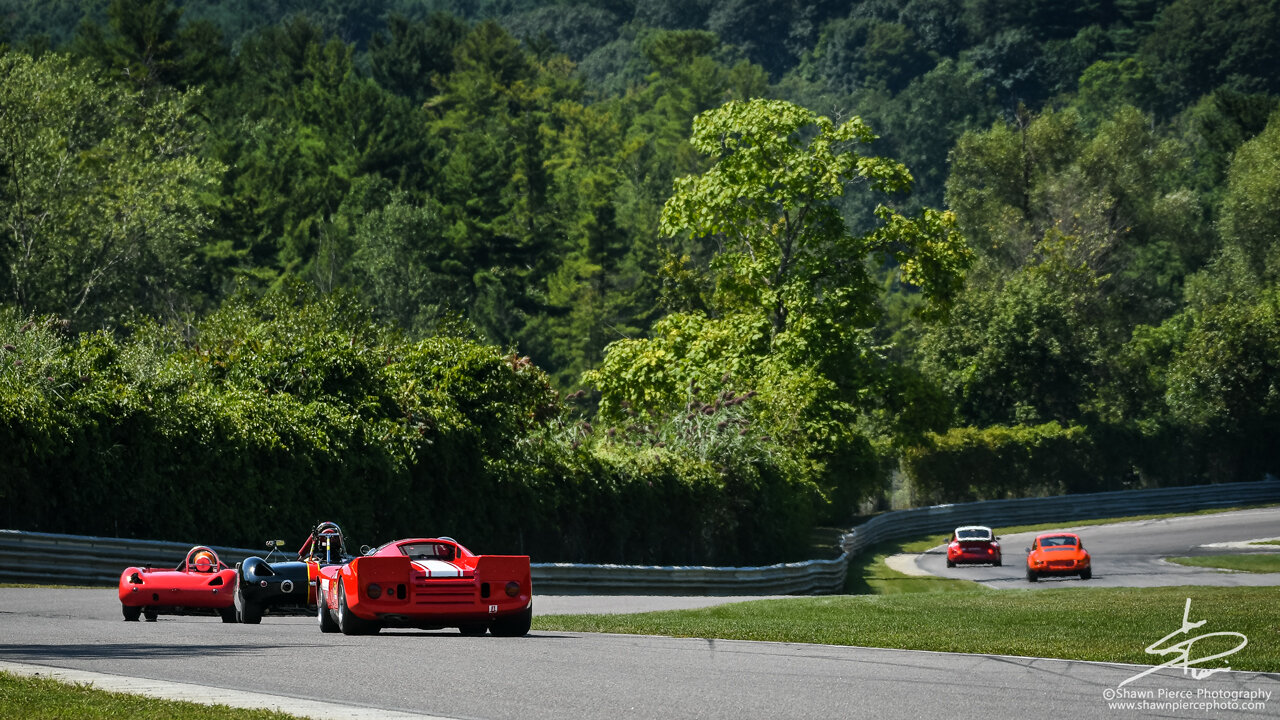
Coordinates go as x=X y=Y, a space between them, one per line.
x=973 y=534
x=428 y=551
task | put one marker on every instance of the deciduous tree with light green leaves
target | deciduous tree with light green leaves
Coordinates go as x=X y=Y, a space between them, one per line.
x=768 y=201
x=792 y=298
x=103 y=197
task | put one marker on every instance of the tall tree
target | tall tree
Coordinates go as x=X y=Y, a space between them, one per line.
x=1249 y=223
x=768 y=199
x=1024 y=349
x=493 y=181
x=793 y=296
x=401 y=261
x=297 y=128
x=103 y=198
x=146 y=44
x=1120 y=188
x=408 y=59
x=1199 y=45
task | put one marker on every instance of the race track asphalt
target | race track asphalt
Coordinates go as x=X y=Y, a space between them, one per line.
x=287 y=664
x=1129 y=554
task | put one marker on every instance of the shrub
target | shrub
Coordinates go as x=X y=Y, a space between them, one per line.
x=276 y=412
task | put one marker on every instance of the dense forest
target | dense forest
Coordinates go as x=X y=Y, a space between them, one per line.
x=633 y=280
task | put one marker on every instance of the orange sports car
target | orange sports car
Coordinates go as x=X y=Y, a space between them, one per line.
x=1058 y=554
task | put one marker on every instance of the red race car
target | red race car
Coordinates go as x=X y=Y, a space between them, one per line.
x=200 y=584
x=973 y=544
x=427 y=583
x=1058 y=554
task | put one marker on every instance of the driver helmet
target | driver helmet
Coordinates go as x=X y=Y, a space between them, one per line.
x=204 y=561
x=328 y=545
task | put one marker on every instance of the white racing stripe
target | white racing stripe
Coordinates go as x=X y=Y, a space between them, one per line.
x=205 y=695
x=438 y=568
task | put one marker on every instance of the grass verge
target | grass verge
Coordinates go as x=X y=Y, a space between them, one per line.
x=870 y=575
x=33 y=698
x=889 y=609
x=1101 y=624
x=1255 y=563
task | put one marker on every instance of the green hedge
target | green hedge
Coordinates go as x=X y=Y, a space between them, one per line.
x=277 y=412
x=966 y=464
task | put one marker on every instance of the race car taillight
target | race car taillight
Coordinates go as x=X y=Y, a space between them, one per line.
x=374 y=591
x=513 y=588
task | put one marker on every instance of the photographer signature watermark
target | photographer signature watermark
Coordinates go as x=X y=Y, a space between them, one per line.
x=1181 y=645
x=1182 y=651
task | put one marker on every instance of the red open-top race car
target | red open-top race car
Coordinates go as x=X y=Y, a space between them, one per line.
x=199 y=585
x=428 y=583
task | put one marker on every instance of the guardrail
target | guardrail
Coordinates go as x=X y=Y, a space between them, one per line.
x=1061 y=508
x=86 y=560
x=811 y=577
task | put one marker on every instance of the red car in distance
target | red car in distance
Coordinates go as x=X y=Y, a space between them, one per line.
x=427 y=583
x=973 y=544
x=201 y=584
x=1058 y=554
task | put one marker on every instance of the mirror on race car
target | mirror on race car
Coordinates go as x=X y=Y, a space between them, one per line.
x=273 y=546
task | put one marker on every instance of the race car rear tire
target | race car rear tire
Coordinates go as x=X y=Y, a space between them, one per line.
x=348 y=622
x=131 y=614
x=513 y=625
x=951 y=563
x=228 y=614
x=247 y=612
x=150 y=614
x=1086 y=573
x=327 y=623
x=473 y=630
x=1031 y=576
